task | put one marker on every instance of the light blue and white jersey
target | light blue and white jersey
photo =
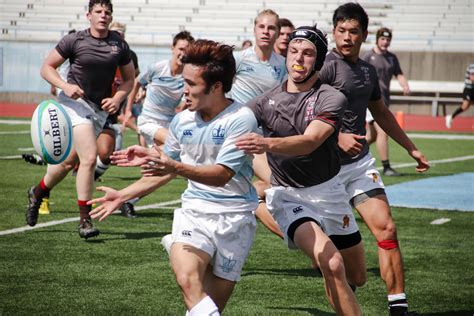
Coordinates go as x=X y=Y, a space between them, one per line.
x=163 y=91
x=196 y=142
x=254 y=76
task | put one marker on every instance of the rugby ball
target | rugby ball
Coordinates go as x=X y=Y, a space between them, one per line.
x=51 y=132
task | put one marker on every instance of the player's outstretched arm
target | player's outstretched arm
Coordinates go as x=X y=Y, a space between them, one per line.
x=133 y=156
x=315 y=134
x=388 y=123
x=215 y=175
x=113 y=199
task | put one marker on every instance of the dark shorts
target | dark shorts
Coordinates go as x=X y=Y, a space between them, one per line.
x=468 y=94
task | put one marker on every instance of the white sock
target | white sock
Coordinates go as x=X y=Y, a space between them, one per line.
x=100 y=167
x=397 y=300
x=205 y=307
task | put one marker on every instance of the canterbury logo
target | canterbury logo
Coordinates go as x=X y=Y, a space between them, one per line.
x=186 y=233
x=297 y=209
x=188 y=132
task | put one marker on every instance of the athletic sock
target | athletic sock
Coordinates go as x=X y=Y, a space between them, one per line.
x=457 y=112
x=100 y=168
x=386 y=164
x=134 y=200
x=84 y=210
x=205 y=307
x=397 y=304
x=41 y=190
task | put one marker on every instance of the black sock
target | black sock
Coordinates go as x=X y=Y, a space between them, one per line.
x=457 y=112
x=386 y=164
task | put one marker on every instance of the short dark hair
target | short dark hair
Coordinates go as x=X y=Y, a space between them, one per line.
x=285 y=23
x=183 y=35
x=107 y=3
x=351 y=11
x=216 y=59
x=383 y=31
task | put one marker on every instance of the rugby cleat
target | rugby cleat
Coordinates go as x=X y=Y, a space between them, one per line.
x=128 y=210
x=87 y=230
x=33 y=207
x=389 y=172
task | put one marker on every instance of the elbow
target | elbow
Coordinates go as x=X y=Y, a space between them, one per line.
x=219 y=181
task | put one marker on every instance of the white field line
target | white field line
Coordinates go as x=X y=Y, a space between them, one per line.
x=15 y=122
x=75 y=219
x=432 y=162
x=15 y=132
x=441 y=136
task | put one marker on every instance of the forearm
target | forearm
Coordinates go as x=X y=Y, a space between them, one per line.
x=51 y=75
x=297 y=145
x=402 y=80
x=131 y=96
x=215 y=175
x=144 y=186
x=389 y=124
x=123 y=90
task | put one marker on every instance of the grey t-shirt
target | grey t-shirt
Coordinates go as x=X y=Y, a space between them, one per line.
x=387 y=66
x=282 y=114
x=93 y=62
x=359 y=83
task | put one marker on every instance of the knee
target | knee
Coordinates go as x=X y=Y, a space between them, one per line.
x=187 y=281
x=333 y=266
x=358 y=279
x=88 y=162
x=388 y=231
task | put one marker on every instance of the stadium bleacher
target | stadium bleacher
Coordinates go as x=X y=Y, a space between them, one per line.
x=441 y=25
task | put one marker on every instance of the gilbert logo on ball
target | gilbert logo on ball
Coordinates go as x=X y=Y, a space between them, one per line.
x=51 y=132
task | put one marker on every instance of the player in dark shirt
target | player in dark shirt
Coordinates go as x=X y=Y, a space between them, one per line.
x=94 y=55
x=358 y=81
x=300 y=120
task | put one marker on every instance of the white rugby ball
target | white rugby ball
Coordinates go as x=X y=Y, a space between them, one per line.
x=51 y=132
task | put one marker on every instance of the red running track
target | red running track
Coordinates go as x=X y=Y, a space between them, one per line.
x=410 y=122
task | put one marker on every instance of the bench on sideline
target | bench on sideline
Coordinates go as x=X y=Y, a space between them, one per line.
x=434 y=92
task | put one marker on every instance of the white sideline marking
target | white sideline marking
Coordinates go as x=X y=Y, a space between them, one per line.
x=440 y=221
x=74 y=219
x=10 y=157
x=15 y=122
x=440 y=136
x=432 y=162
x=25 y=148
x=14 y=132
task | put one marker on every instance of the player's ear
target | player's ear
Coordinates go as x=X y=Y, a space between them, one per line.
x=216 y=86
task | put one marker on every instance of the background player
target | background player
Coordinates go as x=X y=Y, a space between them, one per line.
x=387 y=66
x=467 y=95
x=281 y=44
x=86 y=97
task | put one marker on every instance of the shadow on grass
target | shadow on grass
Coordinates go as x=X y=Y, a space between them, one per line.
x=287 y=272
x=147 y=214
x=126 y=235
x=311 y=311
x=374 y=271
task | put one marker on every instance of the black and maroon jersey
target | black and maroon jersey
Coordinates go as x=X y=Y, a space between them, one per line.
x=282 y=114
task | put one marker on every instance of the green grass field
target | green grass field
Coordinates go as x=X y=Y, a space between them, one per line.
x=126 y=271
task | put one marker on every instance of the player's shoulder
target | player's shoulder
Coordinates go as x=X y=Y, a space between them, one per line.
x=364 y=63
x=329 y=91
x=277 y=59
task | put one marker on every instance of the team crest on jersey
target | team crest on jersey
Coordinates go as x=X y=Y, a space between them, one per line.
x=366 y=72
x=276 y=72
x=310 y=104
x=228 y=264
x=187 y=133
x=375 y=177
x=218 y=135
x=186 y=233
x=248 y=69
x=345 y=221
x=113 y=47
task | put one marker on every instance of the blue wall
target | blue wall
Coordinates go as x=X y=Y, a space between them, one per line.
x=21 y=64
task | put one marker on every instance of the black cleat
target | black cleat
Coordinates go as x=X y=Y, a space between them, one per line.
x=33 y=207
x=389 y=172
x=128 y=210
x=34 y=159
x=87 y=230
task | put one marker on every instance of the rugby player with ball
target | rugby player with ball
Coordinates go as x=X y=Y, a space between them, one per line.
x=94 y=55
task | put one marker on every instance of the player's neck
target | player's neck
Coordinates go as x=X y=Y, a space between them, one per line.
x=99 y=34
x=175 y=68
x=295 y=87
x=378 y=51
x=219 y=104
x=264 y=53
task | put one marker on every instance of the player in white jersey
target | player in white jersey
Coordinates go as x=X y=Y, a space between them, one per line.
x=259 y=68
x=164 y=91
x=215 y=227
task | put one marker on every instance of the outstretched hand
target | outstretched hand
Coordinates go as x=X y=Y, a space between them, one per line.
x=423 y=164
x=252 y=143
x=133 y=156
x=110 y=202
x=159 y=164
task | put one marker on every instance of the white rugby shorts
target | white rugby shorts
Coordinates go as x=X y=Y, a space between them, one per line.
x=80 y=112
x=327 y=203
x=148 y=126
x=361 y=176
x=227 y=238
